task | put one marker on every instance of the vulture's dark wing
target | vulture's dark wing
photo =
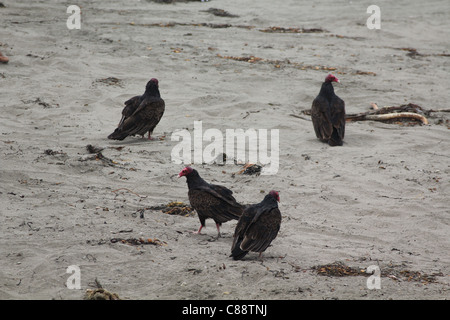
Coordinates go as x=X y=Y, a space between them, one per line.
x=143 y=120
x=256 y=229
x=210 y=204
x=321 y=118
x=130 y=107
x=338 y=121
x=239 y=233
x=262 y=230
x=151 y=111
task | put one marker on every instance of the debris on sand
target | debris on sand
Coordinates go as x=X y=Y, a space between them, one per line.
x=220 y=13
x=413 y=53
x=250 y=169
x=100 y=293
x=60 y=156
x=38 y=101
x=51 y=152
x=97 y=155
x=250 y=59
x=282 y=63
x=337 y=269
x=130 y=191
x=364 y=73
x=292 y=30
x=137 y=242
x=110 y=81
x=398 y=273
x=175 y=208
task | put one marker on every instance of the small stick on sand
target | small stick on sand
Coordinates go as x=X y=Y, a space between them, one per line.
x=129 y=191
x=440 y=110
x=300 y=117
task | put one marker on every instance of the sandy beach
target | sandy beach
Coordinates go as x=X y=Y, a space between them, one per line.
x=382 y=199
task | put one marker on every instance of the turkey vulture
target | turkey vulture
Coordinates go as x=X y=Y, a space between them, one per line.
x=210 y=200
x=257 y=227
x=328 y=114
x=141 y=114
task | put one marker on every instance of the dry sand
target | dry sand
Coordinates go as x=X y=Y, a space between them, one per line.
x=381 y=199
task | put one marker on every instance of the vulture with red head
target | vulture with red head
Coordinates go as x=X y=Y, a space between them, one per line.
x=210 y=201
x=141 y=114
x=328 y=114
x=257 y=227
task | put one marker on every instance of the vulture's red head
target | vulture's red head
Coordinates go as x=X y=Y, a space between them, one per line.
x=153 y=83
x=185 y=172
x=331 y=78
x=275 y=194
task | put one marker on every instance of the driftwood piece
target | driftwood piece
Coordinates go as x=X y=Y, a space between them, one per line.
x=408 y=111
x=396 y=115
x=387 y=113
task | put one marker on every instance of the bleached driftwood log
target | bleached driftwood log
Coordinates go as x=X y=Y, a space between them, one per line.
x=410 y=111
x=396 y=115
